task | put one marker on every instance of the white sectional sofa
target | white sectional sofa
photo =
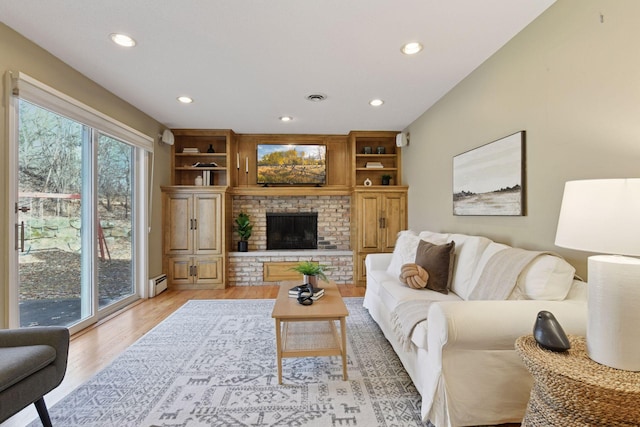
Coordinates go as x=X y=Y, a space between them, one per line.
x=459 y=351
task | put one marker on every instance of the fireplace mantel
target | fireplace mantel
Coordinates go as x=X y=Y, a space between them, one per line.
x=292 y=252
x=258 y=190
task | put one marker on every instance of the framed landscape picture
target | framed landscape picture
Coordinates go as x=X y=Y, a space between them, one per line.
x=489 y=180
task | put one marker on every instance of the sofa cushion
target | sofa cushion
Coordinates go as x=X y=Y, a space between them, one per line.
x=404 y=252
x=17 y=363
x=469 y=250
x=432 y=237
x=392 y=293
x=546 y=278
x=437 y=260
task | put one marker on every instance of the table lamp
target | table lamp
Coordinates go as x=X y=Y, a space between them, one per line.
x=603 y=215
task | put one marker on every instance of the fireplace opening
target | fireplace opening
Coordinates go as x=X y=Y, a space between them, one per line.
x=292 y=230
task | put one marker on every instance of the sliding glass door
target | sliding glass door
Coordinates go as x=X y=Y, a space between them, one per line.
x=115 y=221
x=75 y=219
x=52 y=287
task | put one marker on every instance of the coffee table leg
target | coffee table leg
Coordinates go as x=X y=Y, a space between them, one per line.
x=343 y=334
x=279 y=349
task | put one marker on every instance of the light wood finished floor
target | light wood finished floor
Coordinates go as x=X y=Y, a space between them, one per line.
x=94 y=348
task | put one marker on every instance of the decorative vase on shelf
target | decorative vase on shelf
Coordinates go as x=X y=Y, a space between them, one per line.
x=210 y=149
x=243 y=246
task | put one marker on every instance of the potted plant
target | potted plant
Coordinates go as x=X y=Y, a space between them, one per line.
x=386 y=179
x=310 y=272
x=244 y=230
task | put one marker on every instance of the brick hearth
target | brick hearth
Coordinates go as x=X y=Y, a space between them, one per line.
x=334 y=233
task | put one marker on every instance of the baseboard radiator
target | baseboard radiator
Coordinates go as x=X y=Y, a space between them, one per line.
x=157 y=285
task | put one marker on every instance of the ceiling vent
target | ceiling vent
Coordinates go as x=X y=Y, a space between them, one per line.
x=316 y=97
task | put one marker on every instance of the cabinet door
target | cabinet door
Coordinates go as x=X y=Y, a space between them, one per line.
x=395 y=219
x=207 y=223
x=180 y=270
x=369 y=209
x=208 y=270
x=178 y=235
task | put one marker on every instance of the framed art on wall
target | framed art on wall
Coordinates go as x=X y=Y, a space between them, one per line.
x=489 y=180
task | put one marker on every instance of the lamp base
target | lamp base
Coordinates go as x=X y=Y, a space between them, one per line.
x=613 y=332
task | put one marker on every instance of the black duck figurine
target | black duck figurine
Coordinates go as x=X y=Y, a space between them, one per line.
x=549 y=334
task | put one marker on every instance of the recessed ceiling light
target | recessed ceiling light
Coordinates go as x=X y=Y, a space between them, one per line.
x=411 y=48
x=185 y=99
x=122 y=40
x=286 y=118
x=376 y=102
x=316 y=97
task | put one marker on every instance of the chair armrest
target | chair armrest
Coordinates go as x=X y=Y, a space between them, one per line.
x=54 y=336
x=495 y=325
x=378 y=261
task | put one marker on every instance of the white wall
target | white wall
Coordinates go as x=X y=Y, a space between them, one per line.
x=571 y=79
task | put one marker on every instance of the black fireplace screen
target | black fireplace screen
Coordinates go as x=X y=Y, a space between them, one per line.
x=292 y=230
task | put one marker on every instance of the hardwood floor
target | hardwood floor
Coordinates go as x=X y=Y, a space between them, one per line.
x=94 y=348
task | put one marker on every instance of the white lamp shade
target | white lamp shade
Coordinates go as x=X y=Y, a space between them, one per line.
x=601 y=215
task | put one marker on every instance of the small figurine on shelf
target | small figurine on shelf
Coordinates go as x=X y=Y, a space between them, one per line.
x=210 y=149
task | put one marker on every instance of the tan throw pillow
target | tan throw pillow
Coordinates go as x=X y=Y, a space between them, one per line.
x=414 y=276
x=438 y=261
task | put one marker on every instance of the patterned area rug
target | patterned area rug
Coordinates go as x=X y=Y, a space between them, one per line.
x=212 y=363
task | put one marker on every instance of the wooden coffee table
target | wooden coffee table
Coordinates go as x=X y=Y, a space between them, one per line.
x=310 y=330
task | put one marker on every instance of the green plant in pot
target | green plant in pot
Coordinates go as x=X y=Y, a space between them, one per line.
x=311 y=271
x=386 y=179
x=244 y=230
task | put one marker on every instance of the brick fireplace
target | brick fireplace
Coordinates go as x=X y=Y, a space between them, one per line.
x=333 y=236
x=287 y=230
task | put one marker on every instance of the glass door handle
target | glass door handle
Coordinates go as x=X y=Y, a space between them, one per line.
x=20 y=237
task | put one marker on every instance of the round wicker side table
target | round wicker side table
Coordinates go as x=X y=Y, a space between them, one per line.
x=570 y=389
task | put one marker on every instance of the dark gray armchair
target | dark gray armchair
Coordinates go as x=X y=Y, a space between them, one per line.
x=33 y=362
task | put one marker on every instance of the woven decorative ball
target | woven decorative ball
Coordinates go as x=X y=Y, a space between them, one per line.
x=414 y=276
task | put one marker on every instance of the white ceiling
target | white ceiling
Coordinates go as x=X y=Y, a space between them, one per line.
x=248 y=62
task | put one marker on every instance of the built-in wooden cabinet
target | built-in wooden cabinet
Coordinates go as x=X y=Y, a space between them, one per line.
x=194 y=236
x=378 y=216
x=371 y=149
x=201 y=153
x=197 y=219
x=379 y=209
